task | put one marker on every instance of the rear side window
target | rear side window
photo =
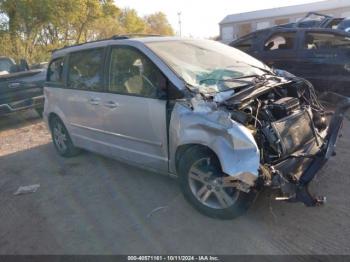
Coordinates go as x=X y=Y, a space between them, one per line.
x=55 y=71
x=325 y=41
x=85 y=70
x=280 y=41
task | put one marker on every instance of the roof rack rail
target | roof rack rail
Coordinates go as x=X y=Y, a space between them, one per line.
x=115 y=37
x=127 y=36
x=67 y=46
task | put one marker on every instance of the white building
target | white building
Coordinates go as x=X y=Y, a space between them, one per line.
x=236 y=25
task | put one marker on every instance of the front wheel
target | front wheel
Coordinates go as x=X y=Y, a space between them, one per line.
x=61 y=138
x=207 y=188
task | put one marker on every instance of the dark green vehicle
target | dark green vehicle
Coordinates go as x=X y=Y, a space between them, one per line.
x=20 y=87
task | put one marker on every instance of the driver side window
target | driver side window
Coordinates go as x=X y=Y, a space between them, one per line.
x=280 y=41
x=131 y=72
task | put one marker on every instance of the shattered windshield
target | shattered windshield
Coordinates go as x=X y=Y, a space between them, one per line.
x=209 y=66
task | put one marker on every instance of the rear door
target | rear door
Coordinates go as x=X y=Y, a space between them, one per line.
x=325 y=59
x=279 y=50
x=134 y=109
x=80 y=101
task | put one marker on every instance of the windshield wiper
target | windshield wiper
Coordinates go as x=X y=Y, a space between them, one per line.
x=238 y=79
x=234 y=80
x=261 y=78
x=254 y=66
x=251 y=76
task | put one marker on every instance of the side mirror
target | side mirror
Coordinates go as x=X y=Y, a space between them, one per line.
x=174 y=92
x=166 y=90
x=162 y=88
x=23 y=64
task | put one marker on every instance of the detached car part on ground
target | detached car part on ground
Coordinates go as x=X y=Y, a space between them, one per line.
x=20 y=88
x=227 y=124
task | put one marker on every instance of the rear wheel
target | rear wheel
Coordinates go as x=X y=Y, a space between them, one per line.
x=207 y=188
x=61 y=138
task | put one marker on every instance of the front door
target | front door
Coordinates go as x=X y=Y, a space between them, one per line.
x=279 y=50
x=134 y=109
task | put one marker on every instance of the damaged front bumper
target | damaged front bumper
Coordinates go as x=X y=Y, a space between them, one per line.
x=306 y=166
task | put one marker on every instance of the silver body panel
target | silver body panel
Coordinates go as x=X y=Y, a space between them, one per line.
x=136 y=131
x=233 y=144
x=95 y=126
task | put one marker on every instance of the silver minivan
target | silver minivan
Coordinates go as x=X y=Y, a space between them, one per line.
x=223 y=122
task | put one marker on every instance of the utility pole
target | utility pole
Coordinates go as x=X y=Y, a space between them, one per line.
x=179 y=15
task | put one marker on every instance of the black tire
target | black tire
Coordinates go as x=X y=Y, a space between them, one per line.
x=40 y=111
x=241 y=201
x=63 y=144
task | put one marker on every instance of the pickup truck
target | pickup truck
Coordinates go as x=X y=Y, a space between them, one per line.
x=21 y=88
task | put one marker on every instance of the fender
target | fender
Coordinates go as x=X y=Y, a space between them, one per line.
x=233 y=144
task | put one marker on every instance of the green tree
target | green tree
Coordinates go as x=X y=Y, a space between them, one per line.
x=157 y=23
x=131 y=22
x=26 y=19
x=107 y=24
x=31 y=28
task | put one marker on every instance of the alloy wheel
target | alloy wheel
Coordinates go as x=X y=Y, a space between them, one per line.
x=60 y=136
x=210 y=186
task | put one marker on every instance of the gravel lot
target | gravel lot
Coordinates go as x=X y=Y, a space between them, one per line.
x=95 y=205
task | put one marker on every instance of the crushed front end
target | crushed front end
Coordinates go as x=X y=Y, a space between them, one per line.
x=295 y=134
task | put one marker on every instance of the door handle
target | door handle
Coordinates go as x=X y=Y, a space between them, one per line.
x=94 y=101
x=14 y=85
x=111 y=104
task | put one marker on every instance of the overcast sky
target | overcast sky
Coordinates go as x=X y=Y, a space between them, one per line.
x=200 y=18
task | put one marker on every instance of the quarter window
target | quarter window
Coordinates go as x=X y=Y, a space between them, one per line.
x=85 y=70
x=55 y=71
x=133 y=73
x=325 y=41
x=280 y=41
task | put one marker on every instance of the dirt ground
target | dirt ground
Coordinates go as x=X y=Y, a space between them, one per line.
x=94 y=205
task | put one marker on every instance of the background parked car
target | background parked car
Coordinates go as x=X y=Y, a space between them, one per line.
x=20 y=87
x=42 y=65
x=318 y=54
x=317 y=20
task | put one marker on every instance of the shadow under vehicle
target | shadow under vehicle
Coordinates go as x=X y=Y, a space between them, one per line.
x=21 y=88
x=222 y=121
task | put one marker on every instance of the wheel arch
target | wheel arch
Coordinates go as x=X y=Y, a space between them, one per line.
x=50 y=117
x=183 y=148
x=232 y=143
x=56 y=112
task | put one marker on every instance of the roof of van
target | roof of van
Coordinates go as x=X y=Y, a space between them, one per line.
x=101 y=43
